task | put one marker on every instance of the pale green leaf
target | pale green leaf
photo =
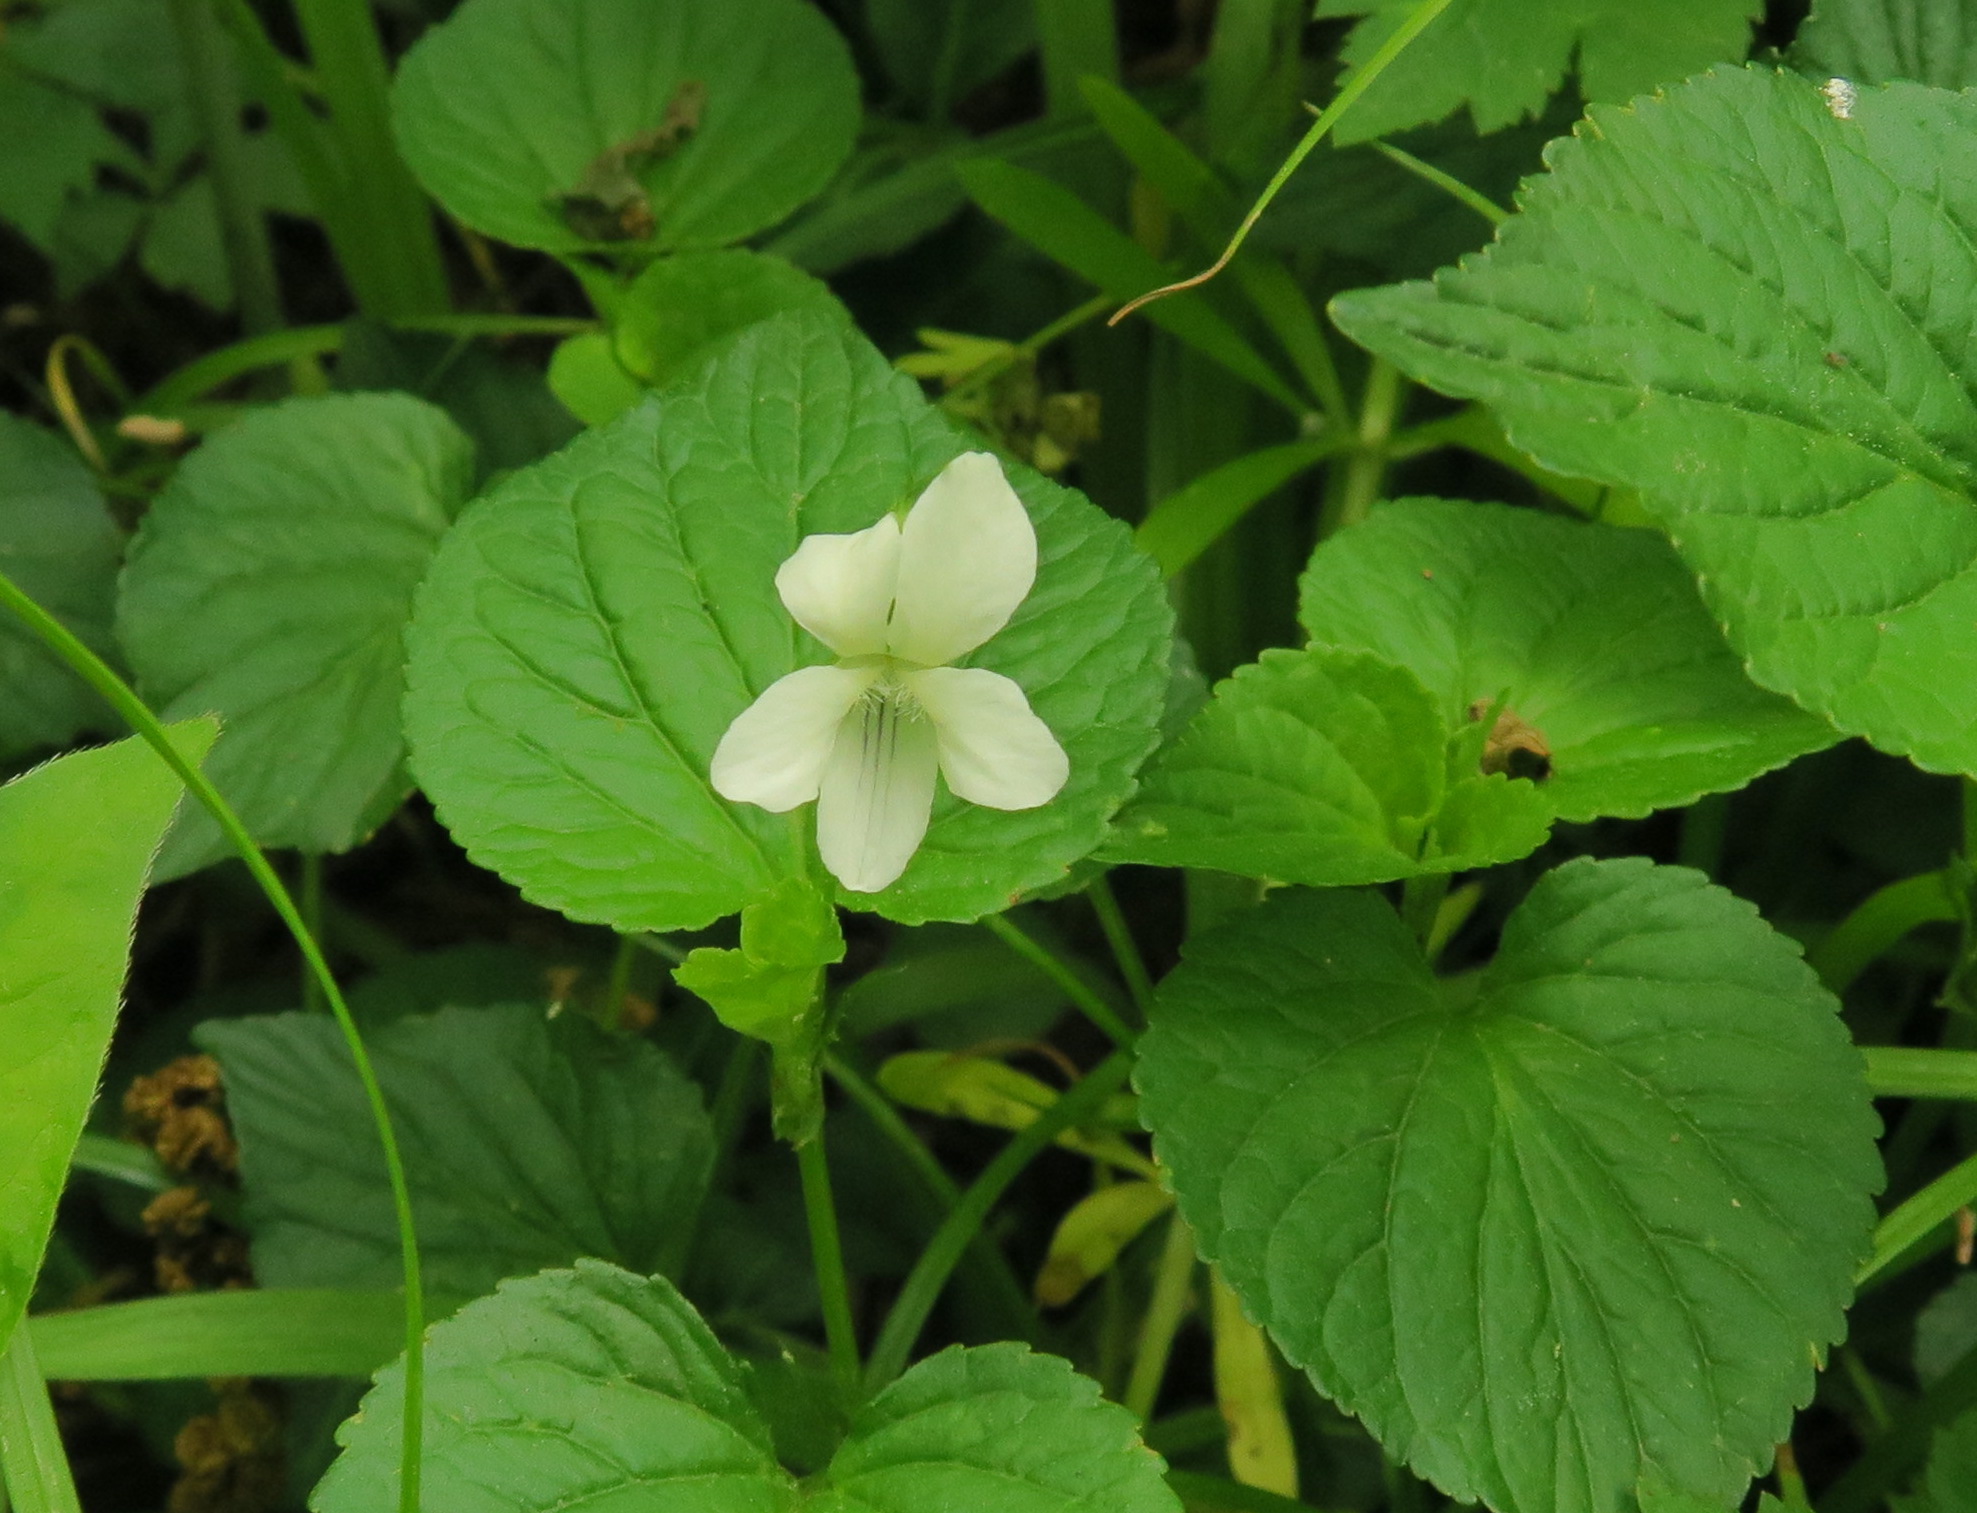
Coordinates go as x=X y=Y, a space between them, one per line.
x=597 y=1386
x=509 y=105
x=76 y=841
x=1584 y=1220
x=1592 y=637
x=1876 y=41
x=1325 y=767
x=589 y=381
x=57 y=542
x=1504 y=58
x=1757 y=312
x=590 y=630
x=270 y=584
x=679 y=312
x=528 y=1142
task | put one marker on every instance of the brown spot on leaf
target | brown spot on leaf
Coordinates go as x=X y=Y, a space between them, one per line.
x=1514 y=747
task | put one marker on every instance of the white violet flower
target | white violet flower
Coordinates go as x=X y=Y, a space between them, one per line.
x=864 y=736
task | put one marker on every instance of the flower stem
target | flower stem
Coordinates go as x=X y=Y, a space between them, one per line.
x=827 y=1258
x=1165 y=1310
x=1125 y=951
x=937 y=1262
x=1080 y=992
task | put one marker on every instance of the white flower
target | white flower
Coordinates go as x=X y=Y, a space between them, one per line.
x=865 y=736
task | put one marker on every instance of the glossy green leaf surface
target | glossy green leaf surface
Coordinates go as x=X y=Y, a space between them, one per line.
x=1755 y=312
x=596 y=1385
x=528 y=1142
x=668 y=124
x=1325 y=767
x=270 y=585
x=57 y=542
x=592 y=627
x=76 y=841
x=1504 y=58
x=1592 y=637
x=1586 y=1218
x=1875 y=41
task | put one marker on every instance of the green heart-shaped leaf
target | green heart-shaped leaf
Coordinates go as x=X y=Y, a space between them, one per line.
x=664 y=124
x=61 y=547
x=1324 y=767
x=1586 y=1218
x=270 y=585
x=1608 y=668
x=590 y=629
x=1735 y=299
x=528 y=1142
x=595 y=1385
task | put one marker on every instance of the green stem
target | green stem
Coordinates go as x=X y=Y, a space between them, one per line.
x=937 y=1262
x=1877 y=924
x=1912 y=1222
x=93 y=671
x=620 y=985
x=1214 y=1494
x=1421 y=903
x=1366 y=466
x=31 y=1454
x=1064 y=325
x=989 y=1265
x=827 y=1259
x=1173 y=1280
x=312 y=920
x=1125 y=951
x=1705 y=828
x=1895 y=1071
x=214 y=98
x=1447 y=182
x=1075 y=988
x=1403 y=36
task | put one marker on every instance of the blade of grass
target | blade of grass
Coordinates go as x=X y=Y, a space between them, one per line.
x=31 y=1454
x=244 y=1332
x=95 y=672
x=1417 y=22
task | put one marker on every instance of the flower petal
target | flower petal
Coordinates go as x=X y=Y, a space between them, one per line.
x=774 y=752
x=839 y=588
x=967 y=558
x=878 y=791
x=994 y=751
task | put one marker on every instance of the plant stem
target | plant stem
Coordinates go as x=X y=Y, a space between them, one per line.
x=1895 y=1071
x=827 y=1258
x=1889 y=1460
x=1093 y=1007
x=312 y=919
x=1366 y=467
x=95 y=672
x=620 y=984
x=214 y=98
x=1421 y=902
x=31 y=1453
x=1172 y=1282
x=991 y=1267
x=1125 y=951
x=1912 y=1221
x=930 y=1273
x=1876 y=924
